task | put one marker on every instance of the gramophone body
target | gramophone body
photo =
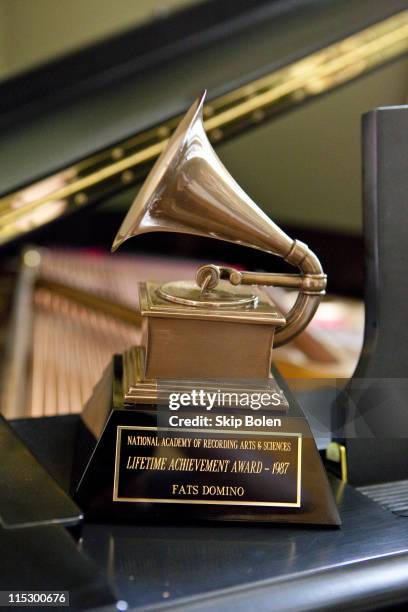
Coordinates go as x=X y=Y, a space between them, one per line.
x=214 y=334
x=197 y=343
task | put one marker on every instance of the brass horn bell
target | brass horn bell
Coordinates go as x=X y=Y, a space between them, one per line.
x=190 y=191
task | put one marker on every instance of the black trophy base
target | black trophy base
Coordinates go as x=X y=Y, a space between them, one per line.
x=133 y=464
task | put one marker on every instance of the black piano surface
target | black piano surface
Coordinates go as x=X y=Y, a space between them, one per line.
x=362 y=565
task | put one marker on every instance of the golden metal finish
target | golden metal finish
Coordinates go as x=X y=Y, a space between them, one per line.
x=338 y=454
x=210 y=275
x=137 y=389
x=189 y=294
x=115 y=168
x=204 y=502
x=259 y=310
x=190 y=191
x=195 y=342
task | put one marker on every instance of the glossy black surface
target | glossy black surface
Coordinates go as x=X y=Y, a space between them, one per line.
x=29 y=495
x=152 y=565
x=377 y=584
x=47 y=558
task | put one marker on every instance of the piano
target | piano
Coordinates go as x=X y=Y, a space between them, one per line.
x=287 y=85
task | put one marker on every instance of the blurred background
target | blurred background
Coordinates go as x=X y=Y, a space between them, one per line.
x=34 y=33
x=318 y=146
x=85 y=85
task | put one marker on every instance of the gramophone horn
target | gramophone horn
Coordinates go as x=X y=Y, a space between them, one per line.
x=190 y=191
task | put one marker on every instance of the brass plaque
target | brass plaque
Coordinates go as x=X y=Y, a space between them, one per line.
x=208 y=467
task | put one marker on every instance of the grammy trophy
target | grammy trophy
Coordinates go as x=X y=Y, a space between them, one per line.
x=196 y=423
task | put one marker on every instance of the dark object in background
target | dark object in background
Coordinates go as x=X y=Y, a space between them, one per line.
x=374 y=406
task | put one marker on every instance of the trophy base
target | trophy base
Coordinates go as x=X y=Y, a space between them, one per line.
x=145 y=462
x=140 y=390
